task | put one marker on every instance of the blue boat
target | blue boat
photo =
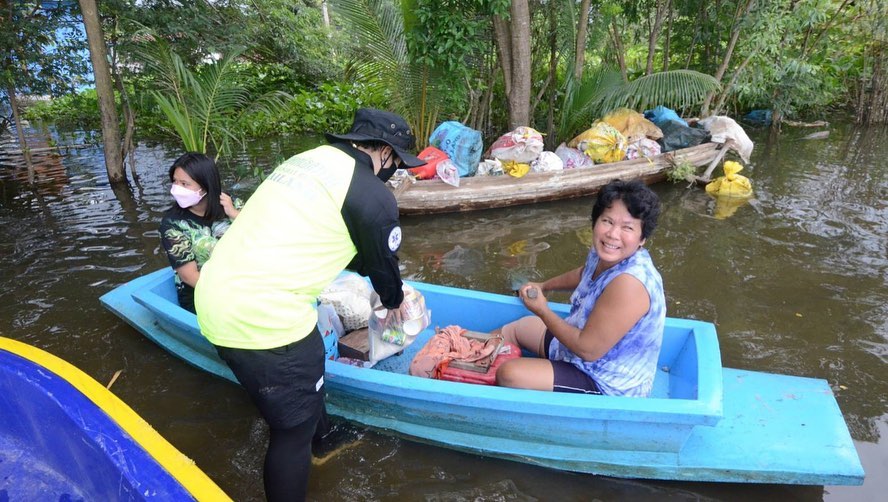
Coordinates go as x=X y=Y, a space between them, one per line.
x=702 y=423
x=63 y=436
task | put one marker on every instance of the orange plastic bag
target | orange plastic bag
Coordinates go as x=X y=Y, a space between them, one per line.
x=432 y=156
x=632 y=125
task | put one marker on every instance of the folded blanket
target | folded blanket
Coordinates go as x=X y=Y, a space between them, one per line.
x=447 y=345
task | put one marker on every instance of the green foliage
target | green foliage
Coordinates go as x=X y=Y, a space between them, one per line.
x=291 y=34
x=681 y=171
x=329 y=108
x=38 y=52
x=72 y=111
x=580 y=106
x=431 y=61
x=380 y=60
x=677 y=89
x=204 y=107
x=448 y=34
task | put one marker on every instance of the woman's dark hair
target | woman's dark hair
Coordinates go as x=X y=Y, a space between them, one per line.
x=202 y=170
x=640 y=200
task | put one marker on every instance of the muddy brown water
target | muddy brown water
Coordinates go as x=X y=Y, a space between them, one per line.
x=796 y=282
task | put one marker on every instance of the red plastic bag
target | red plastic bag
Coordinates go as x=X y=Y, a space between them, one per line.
x=432 y=156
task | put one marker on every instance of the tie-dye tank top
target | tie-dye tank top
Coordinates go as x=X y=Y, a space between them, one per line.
x=628 y=368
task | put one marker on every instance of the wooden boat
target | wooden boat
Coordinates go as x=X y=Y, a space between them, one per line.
x=63 y=436
x=487 y=192
x=703 y=422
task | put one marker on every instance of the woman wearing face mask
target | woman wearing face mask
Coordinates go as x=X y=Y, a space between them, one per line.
x=199 y=216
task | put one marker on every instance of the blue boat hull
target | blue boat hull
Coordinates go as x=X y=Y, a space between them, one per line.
x=703 y=422
x=65 y=437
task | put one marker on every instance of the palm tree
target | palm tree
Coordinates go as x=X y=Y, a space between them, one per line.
x=383 y=63
x=204 y=107
x=603 y=90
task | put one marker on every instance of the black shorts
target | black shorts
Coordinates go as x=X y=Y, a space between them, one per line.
x=285 y=383
x=569 y=378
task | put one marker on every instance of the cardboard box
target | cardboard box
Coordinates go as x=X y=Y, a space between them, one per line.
x=356 y=345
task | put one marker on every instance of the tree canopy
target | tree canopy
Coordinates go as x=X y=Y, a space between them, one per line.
x=493 y=64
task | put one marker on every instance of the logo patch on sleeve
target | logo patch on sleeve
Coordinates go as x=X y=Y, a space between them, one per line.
x=394 y=239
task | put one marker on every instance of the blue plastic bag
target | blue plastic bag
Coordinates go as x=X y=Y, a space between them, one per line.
x=661 y=115
x=462 y=144
x=759 y=117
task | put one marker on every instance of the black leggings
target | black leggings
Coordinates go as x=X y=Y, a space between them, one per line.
x=288 y=459
x=286 y=385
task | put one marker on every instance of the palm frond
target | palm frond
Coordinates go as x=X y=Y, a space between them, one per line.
x=203 y=107
x=179 y=120
x=581 y=104
x=382 y=61
x=603 y=90
x=677 y=89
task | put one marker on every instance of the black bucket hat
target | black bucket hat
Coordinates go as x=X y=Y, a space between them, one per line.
x=377 y=125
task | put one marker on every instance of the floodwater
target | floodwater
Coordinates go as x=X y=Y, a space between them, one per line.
x=796 y=282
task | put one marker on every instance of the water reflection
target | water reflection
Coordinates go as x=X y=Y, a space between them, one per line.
x=796 y=282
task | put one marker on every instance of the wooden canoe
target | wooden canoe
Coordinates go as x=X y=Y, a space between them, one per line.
x=703 y=422
x=487 y=192
x=64 y=436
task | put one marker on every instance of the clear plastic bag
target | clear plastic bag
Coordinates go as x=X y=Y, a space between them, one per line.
x=387 y=337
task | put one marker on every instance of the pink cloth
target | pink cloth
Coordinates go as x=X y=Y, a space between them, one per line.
x=445 y=346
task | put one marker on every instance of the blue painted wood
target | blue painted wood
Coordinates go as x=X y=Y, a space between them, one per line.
x=56 y=444
x=702 y=423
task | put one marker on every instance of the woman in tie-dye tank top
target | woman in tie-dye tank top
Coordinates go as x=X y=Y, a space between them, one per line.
x=610 y=342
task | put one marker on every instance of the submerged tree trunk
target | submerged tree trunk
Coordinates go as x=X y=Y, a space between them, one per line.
x=17 y=117
x=551 y=79
x=104 y=91
x=872 y=107
x=128 y=149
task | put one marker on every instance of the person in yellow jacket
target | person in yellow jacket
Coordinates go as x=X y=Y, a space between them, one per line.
x=319 y=212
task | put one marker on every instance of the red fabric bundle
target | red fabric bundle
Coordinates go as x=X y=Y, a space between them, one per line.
x=445 y=372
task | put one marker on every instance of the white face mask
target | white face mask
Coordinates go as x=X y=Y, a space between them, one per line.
x=185 y=197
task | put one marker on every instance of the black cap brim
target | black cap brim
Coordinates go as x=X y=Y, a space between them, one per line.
x=407 y=159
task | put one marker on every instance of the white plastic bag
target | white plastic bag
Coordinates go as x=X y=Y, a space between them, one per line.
x=546 y=162
x=349 y=294
x=446 y=170
x=490 y=167
x=522 y=145
x=572 y=158
x=331 y=329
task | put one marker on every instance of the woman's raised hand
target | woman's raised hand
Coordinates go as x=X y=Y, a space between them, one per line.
x=228 y=206
x=532 y=296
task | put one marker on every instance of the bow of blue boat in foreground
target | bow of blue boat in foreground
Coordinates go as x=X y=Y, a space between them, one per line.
x=702 y=423
x=63 y=436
